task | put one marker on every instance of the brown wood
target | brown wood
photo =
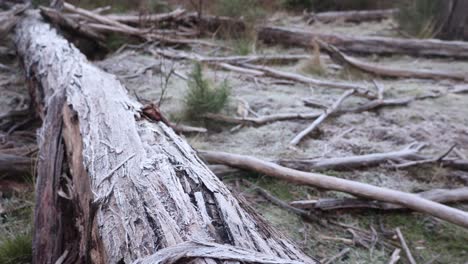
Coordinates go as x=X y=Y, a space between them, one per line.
x=365 y=45
x=368 y=191
x=133 y=186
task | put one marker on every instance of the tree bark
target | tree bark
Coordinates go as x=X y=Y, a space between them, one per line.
x=454 y=19
x=128 y=186
x=366 y=45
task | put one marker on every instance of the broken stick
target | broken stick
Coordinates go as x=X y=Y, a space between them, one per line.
x=321 y=118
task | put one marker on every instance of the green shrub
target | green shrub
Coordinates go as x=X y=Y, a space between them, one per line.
x=16 y=249
x=202 y=96
x=250 y=10
x=418 y=18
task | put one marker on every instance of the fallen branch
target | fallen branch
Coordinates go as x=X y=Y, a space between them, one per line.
x=350 y=16
x=135 y=20
x=405 y=246
x=395 y=256
x=438 y=159
x=337 y=256
x=367 y=45
x=352 y=161
x=359 y=90
x=321 y=118
x=338 y=57
x=437 y=195
x=368 y=191
x=245 y=62
x=262 y=120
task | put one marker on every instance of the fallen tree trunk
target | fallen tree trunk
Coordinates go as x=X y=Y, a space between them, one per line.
x=133 y=186
x=408 y=200
x=366 y=45
x=356 y=16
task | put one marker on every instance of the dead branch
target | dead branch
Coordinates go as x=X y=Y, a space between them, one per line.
x=262 y=120
x=328 y=182
x=266 y=58
x=69 y=23
x=360 y=90
x=405 y=246
x=367 y=45
x=395 y=256
x=340 y=58
x=438 y=159
x=241 y=61
x=444 y=196
x=353 y=161
x=337 y=256
x=135 y=20
x=356 y=16
x=321 y=118
x=179 y=128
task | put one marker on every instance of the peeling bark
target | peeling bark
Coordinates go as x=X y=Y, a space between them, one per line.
x=131 y=186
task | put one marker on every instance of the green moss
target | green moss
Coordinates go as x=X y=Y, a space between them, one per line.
x=16 y=249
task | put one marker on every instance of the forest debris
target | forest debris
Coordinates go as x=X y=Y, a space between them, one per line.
x=358 y=89
x=337 y=256
x=355 y=16
x=367 y=45
x=395 y=256
x=405 y=246
x=262 y=120
x=136 y=20
x=145 y=206
x=329 y=204
x=349 y=162
x=425 y=161
x=338 y=57
x=321 y=118
x=368 y=191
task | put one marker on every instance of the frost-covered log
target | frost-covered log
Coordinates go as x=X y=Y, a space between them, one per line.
x=364 y=44
x=115 y=187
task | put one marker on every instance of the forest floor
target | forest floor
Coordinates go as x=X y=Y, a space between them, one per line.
x=439 y=123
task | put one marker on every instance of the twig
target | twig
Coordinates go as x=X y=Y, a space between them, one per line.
x=337 y=163
x=395 y=256
x=425 y=161
x=277 y=201
x=321 y=118
x=337 y=256
x=405 y=246
x=369 y=191
x=261 y=120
